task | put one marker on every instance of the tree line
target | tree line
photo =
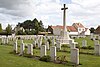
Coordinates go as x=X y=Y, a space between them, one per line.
x=30 y=27
x=7 y=31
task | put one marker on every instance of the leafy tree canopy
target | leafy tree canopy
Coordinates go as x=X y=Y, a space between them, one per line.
x=34 y=24
x=92 y=30
x=8 y=29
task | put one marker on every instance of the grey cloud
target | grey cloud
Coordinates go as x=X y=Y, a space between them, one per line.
x=14 y=7
x=11 y=4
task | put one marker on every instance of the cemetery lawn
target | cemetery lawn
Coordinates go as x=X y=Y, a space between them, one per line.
x=10 y=60
x=87 y=57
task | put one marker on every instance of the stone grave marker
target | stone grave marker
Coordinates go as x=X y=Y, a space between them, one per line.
x=43 y=51
x=97 y=49
x=30 y=49
x=15 y=47
x=53 y=53
x=22 y=48
x=75 y=56
x=84 y=43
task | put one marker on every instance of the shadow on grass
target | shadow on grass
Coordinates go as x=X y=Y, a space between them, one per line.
x=67 y=63
x=87 y=53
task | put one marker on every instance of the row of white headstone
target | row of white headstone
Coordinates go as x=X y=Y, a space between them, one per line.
x=36 y=37
x=22 y=48
x=30 y=50
x=43 y=50
x=96 y=46
x=4 y=40
x=38 y=42
x=94 y=37
x=84 y=43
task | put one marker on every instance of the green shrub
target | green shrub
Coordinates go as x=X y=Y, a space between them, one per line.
x=63 y=58
x=65 y=45
x=90 y=47
x=45 y=58
x=84 y=47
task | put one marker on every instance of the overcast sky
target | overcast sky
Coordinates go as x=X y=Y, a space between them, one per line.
x=49 y=11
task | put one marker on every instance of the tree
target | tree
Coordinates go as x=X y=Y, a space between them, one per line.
x=41 y=26
x=32 y=27
x=8 y=29
x=0 y=28
x=36 y=26
x=92 y=30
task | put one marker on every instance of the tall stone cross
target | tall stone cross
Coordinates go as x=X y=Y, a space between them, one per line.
x=64 y=17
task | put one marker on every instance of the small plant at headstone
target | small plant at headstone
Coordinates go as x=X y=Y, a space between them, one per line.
x=90 y=47
x=63 y=59
x=84 y=47
x=64 y=45
x=45 y=58
x=58 y=58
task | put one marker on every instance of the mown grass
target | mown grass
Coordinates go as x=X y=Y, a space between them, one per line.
x=11 y=60
x=87 y=57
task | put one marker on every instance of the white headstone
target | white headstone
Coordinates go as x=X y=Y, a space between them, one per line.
x=34 y=44
x=53 y=42
x=2 y=40
x=53 y=53
x=39 y=43
x=45 y=40
x=91 y=35
x=22 y=48
x=43 y=51
x=72 y=45
x=47 y=45
x=97 y=49
x=84 y=43
x=75 y=56
x=30 y=49
x=15 y=47
x=94 y=38
x=99 y=37
x=6 y=40
x=58 y=45
x=96 y=42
